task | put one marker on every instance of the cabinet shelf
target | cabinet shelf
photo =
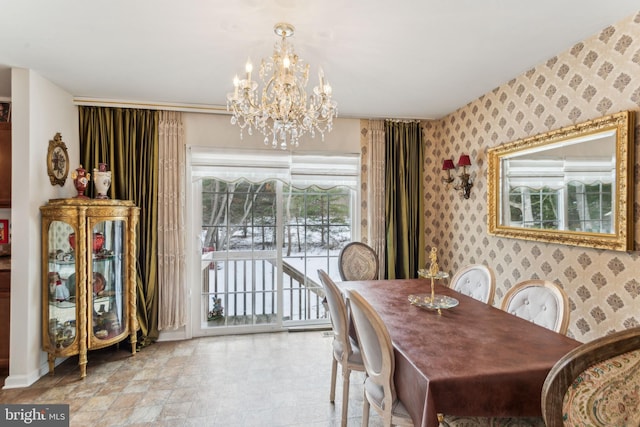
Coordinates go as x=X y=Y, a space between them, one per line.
x=59 y=262
x=89 y=298
x=102 y=258
x=95 y=258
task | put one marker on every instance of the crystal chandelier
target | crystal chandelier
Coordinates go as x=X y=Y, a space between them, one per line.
x=282 y=111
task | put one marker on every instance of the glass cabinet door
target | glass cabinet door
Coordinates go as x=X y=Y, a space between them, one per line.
x=62 y=311
x=108 y=290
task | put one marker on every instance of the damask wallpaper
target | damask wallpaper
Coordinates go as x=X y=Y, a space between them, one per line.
x=598 y=76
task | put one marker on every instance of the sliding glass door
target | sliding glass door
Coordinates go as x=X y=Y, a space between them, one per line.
x=240 y=240
x=262 y=243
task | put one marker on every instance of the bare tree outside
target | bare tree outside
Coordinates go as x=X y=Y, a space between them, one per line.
x=239 y=213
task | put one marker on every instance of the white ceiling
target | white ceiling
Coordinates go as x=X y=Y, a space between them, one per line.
x=401 y=59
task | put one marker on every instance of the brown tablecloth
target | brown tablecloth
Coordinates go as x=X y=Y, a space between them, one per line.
x=473 y=359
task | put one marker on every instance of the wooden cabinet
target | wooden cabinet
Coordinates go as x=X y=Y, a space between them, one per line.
x=5 y=165
x=88 y=276
x=5 y=317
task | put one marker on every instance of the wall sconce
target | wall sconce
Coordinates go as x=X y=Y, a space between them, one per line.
x=447 y=166
x=465 y=179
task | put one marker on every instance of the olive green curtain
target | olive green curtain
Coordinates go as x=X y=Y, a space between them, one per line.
x=404 y=199
x=127 y=140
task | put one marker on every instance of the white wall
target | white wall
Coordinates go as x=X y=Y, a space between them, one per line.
x=39 y=110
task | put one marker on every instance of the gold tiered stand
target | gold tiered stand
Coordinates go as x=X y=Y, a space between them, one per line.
x=433 y=301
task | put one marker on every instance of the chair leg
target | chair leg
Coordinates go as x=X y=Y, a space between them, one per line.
x=365 y=411
x=346 y=372
x=334 y=369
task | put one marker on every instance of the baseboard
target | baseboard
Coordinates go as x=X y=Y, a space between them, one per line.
x=173 y=335
x=21 y=381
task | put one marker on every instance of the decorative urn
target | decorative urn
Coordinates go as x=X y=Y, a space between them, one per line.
x=102 y=180
x=81 y=181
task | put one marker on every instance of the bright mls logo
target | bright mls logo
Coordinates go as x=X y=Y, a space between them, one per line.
x=34 y=415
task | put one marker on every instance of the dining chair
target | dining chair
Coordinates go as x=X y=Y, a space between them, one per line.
x=457 y=421
x=379 y=363
x=477 y=281
x=539 y=301
x=345 y=348
x=358 y=261
x=596 y=384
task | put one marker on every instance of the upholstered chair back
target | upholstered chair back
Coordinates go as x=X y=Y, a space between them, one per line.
x=379 y=364
x=337 y=311
x=358 y=261
x=375 y=342
x=596 y=384
x=345 y=347
x=476 y=281
x=541 y=302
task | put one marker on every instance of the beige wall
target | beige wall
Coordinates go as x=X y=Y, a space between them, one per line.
x=210 y=130
x=598 y=76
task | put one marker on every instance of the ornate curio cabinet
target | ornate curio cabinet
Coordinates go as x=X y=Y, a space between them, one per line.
x=88 y=276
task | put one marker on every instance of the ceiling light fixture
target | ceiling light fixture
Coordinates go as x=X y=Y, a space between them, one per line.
x=283 y=111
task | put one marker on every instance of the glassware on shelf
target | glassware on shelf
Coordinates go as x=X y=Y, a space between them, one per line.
x=97 y=243
x=88 y=282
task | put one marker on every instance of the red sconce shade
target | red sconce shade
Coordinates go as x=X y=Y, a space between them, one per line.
x=447 y=164
x=464 y=160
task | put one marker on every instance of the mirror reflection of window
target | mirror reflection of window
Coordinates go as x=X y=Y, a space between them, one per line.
x=590 y=207
x=573 y=193
x=535 y=208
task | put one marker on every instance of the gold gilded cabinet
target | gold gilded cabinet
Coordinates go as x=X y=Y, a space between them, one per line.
x=88 y=276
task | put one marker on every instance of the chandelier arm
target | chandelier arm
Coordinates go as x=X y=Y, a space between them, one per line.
x=247 y=100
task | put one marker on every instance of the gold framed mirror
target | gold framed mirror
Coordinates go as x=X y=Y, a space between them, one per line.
x=571 y=186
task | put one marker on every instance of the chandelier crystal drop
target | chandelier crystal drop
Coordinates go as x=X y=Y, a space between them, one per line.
x=282 y=111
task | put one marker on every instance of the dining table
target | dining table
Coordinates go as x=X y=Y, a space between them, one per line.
x=471 y=359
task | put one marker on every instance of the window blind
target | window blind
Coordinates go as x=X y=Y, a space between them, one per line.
x=299 y=170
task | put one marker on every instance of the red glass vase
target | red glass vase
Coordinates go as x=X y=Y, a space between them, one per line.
x=98 y=241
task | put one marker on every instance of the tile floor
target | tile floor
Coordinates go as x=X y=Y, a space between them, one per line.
x=279 y=379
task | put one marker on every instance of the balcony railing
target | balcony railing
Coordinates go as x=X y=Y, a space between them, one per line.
x=250 y=294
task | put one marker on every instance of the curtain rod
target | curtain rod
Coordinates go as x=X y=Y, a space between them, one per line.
x=403 y=120
x=191 y=108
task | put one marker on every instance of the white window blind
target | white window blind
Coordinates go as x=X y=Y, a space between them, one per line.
x=300 y=170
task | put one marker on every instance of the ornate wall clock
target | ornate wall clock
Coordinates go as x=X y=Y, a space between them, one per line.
x=57 y=161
